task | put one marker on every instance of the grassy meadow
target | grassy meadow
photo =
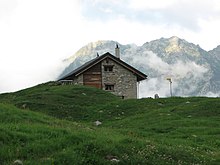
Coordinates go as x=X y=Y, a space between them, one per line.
x=54 y=124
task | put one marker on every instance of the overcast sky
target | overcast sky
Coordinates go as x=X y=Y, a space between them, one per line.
x=36 y=35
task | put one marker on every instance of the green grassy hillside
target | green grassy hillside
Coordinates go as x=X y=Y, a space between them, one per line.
x=54 y=124
x=62 y=101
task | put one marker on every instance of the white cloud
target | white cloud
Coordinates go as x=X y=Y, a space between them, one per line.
x=35 y=40
x=150 y=4
x=216 y=5
x=149 y=88
x=189 y=72
x=180 y=18
x=7 y=8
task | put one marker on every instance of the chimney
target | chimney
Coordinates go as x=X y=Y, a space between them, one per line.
x=117 y=51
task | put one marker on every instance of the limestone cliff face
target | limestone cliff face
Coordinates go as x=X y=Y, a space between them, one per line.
x=193 y=70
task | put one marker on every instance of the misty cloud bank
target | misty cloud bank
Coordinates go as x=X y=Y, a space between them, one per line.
x=186 y=77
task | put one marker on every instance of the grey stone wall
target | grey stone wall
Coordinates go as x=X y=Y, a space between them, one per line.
x=124 y=81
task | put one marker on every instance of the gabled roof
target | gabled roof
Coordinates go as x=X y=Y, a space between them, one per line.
x=91 y=63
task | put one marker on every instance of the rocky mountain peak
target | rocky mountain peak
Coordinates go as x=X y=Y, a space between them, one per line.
x=174 y=39
x=93 y=48
x=217 y=49
x=173 y=45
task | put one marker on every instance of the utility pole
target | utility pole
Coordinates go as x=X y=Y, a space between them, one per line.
x=169 y=79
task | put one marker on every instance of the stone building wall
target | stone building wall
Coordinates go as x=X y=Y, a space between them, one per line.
x=124 y=81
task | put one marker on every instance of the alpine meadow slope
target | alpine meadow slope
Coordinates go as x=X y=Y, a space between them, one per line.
x=54 y=124
x=194 y=71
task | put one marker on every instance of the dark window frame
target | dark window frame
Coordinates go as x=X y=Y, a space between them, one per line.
x=108 y=68
x=109 y=87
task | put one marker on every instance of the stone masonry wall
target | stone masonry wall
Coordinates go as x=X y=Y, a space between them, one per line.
x=124 y=81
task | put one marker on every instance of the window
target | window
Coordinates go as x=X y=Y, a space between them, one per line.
x=108 y=68
x=109 y=87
